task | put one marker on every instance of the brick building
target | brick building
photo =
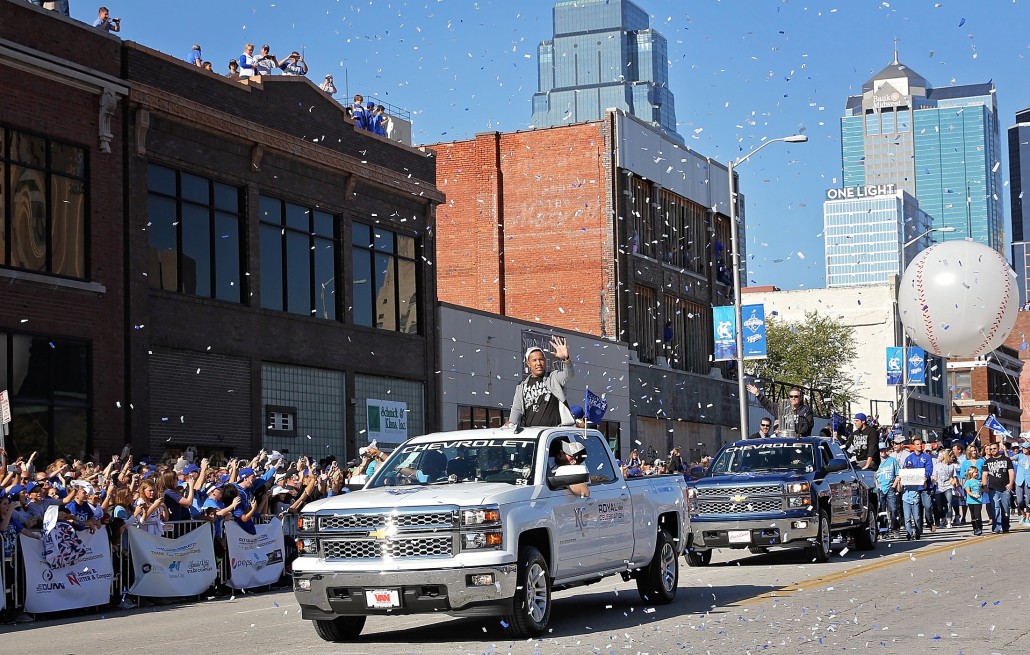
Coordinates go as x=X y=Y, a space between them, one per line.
x=270 y=281
x=607 y=228
x=62 y=331
x=988 y=384
x=1017 y=340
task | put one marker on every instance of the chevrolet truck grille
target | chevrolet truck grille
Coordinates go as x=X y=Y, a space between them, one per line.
x=351 y=522
x=345 y=549
x=748 y=505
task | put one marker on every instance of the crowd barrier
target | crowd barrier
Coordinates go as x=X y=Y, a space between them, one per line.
x=123 y=573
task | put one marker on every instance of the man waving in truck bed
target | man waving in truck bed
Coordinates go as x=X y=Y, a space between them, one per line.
x=540 y=398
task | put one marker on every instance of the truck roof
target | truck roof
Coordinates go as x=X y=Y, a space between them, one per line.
x=497 y=433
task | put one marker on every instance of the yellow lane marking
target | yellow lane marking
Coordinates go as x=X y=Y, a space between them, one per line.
x=860 y=569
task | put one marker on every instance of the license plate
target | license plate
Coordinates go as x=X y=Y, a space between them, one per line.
x=739 y=536
x=382 y=598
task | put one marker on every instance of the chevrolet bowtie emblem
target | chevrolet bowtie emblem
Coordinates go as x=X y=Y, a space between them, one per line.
x=738 y=499
x=381 y=533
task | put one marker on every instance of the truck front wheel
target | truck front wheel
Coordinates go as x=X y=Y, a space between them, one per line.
x=531 y=606
x=820 y=552
x=657 y=582
x=342 y=628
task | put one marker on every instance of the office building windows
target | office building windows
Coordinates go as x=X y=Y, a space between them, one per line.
x=473 y=418
x=43 y=200
x=193 y=229
x=639 y=206
x=298 y=259
x=384 y=279
x=49 y=384
x=645 y=318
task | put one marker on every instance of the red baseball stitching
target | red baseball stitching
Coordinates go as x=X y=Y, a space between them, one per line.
x=1000 y=313
x=924 y=308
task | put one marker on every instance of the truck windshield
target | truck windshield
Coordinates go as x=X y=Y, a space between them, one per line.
x=759 y=457
x=459 y=460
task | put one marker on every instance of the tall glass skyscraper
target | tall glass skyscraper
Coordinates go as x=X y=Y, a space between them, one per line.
x=940 y=145
x=603 y=55
x=866 y=229
x=1019 y=184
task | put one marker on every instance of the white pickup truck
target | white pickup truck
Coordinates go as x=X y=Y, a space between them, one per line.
x=484 y=523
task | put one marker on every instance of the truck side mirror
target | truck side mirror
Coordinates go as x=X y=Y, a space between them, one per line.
x=570 y=474
x=836 y=464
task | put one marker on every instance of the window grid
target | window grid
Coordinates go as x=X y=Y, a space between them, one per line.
x=645 y=317
x=471 y=417
x=643 y=238
x=298 y=259
x=43 y=205
x=385 y=279
x=194 y=237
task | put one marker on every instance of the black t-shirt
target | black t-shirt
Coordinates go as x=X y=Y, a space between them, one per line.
x=539 y=404
x=865 y=444
x=997 y=470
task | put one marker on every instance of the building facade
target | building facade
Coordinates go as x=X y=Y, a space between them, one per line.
x=580 y=228
x=872 y=312
x=1019 y=181
x=482 y=360
x=603 y=55
x=866 y=231
x=941 y=145
x=984 y=386
x=211 y=276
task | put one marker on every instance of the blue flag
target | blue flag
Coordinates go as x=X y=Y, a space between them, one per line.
x=916 y=362
x=994 y=424
x=594 y=407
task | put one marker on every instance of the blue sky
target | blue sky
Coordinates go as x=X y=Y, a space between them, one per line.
x=741 y=71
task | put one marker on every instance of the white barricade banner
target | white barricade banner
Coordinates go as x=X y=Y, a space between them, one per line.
x=255 y=560
x=85 y=583
x=172 y=567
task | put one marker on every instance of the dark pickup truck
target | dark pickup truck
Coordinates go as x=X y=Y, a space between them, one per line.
x=781 y=493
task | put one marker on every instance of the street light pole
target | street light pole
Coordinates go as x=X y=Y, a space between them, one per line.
x=903 y=406
x=738 y=278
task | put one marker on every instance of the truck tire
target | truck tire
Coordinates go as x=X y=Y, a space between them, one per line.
x=698 y=557
x=340 y=629
x=867 y=535
x=820 y=552
x=657 y=582
x=531 y=606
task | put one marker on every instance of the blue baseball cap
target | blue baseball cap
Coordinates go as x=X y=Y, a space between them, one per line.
x=190 y=468
x=245 y=472
x=860 y=417
x=577 y=411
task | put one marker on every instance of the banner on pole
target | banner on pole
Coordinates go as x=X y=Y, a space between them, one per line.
x=723 y=326
x=172 y=567
x=258 y=559
x=85 y=583
x=895 y=365
x=995 y=425
x=755 y=342
x=916 y=361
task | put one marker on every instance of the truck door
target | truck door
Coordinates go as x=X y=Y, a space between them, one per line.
x=853 y=483
x=609 y=497
x=575 y=521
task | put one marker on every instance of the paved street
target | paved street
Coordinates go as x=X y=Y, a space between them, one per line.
x=950 y=593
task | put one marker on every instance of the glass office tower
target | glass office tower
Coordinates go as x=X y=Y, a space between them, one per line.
x=940 y=145
x=865 y=234
x=603 y=55
x=1019 y=183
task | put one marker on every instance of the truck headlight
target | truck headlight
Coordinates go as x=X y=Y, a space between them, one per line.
x=477 y=516
x=306 y=546
x=306 y=522
x=691 y=492
x=478 y=540
x=799 y=501
x=798 y=487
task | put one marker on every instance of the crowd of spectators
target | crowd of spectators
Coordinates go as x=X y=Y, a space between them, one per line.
x=153 y=494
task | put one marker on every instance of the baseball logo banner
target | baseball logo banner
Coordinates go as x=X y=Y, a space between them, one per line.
x=85 y=583
x=172 y=567
x=255 y=560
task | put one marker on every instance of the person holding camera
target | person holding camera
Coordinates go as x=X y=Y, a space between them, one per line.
x=293 y=65
x=105 y=22
x=328 y=86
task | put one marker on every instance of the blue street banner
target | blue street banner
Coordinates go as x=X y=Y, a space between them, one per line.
x=995 y=425
x=595 y=406
x=895 y=365
x=916 y=361
x=723 y=325
x=755 y=343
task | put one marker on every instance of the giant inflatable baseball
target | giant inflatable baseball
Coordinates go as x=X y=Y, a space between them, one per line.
x=958 y=299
